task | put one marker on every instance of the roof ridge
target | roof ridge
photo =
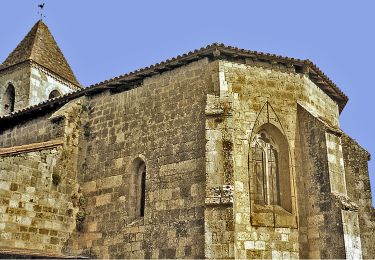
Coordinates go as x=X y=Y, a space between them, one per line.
x=34 y=39
x=40 y=46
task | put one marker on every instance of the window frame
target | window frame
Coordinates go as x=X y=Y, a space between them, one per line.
x=280 y=214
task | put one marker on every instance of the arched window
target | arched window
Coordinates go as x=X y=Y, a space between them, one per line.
x=270 y=178
x=139 y=197
x=9 y=99
x=55 y=93
x=265 y=163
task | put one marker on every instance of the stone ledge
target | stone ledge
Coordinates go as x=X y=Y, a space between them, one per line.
x=34 y=253
x=275 y=216
x=345 y=202
x=30 y=147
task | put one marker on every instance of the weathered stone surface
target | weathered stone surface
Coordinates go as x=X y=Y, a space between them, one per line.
x=359 y=191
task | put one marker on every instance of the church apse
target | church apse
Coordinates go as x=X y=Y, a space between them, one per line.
x=218 y=153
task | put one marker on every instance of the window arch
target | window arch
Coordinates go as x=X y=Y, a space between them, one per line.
x=9 y=99
x=265 y=161
x=54 y=94
x=139 y=184
x=270 y=178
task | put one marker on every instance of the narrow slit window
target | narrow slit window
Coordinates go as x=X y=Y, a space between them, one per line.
x=143 y=194
x=140 y=187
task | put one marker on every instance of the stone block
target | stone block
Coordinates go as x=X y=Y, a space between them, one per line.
x=262 y=219
x=249 y=244
x=89 y=187
x=103 y=199
x=285 y=221
x=260 y=245
x=110 y=182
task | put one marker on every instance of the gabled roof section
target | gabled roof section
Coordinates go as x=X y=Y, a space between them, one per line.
x=213 y=51
x=40 y=46
x=224 y=52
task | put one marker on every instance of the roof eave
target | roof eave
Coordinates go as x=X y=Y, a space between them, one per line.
x=214 y=51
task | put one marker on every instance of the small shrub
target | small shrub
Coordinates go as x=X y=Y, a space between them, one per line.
x=87 y=130
x=82 y=202
x=69 y=212
x=80 y=218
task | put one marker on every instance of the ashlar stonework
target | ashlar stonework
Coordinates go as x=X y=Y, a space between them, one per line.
x=218 y=153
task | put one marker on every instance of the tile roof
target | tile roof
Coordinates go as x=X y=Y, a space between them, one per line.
x=40 y=46
x=221 y=51
x=213 y=51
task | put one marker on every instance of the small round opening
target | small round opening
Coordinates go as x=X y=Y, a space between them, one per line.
x=54 y=94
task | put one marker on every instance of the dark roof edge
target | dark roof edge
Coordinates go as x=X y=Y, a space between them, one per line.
x=215 y=50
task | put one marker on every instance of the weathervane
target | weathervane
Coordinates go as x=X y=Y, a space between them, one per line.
x=41 y=6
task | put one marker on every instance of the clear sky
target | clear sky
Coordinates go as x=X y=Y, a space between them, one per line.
x=102 y=39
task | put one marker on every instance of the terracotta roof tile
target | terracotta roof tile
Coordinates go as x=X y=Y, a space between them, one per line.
x=215 y=50
x=219 y=49
x=40 y=47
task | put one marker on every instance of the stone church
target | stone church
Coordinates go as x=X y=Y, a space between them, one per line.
x=218 y=153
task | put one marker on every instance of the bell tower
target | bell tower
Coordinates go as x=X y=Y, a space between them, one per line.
x=34 y=72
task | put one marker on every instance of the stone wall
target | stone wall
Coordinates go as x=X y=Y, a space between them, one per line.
x=43 y=82
x=321 y=225
x=72 y=177
x=19 y=77
x=39 y=198
x=335 y=163
x=219 y=218
x=34 y=213
x=359 y=190
x=253 y=95
x=162 y=124
x=31 y=131
x=32 y=84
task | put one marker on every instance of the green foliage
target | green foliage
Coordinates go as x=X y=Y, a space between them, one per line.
x=82 y=202
x=87 y=130
x=69 y=212
x=80 y=218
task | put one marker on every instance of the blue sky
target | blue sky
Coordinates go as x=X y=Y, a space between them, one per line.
x=102 y=39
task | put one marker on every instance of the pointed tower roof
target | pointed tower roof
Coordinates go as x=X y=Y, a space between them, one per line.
x=40 y=47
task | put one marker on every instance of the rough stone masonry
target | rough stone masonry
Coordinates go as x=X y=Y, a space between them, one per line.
x=218 y=153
